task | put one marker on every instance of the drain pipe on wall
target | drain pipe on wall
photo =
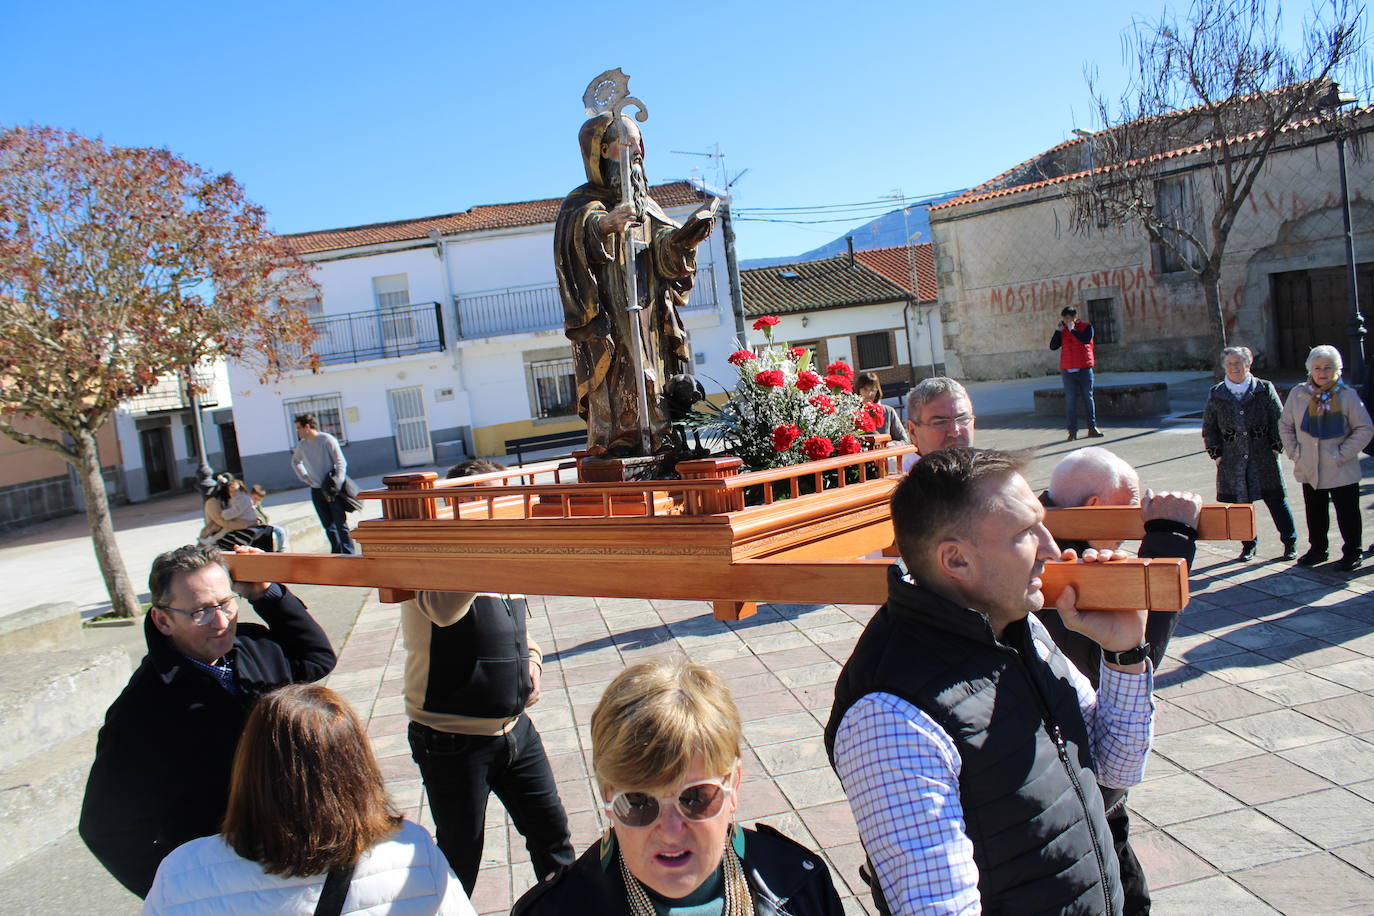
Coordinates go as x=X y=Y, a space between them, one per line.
x=459 y=366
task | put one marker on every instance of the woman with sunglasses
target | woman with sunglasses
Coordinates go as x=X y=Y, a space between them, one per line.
x=666 y=752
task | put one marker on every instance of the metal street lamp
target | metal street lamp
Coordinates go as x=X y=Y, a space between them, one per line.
x=1335 y=99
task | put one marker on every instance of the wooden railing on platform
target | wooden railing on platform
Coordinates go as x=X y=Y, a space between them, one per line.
x=530 y=530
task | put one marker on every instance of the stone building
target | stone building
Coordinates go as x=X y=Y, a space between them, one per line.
x=1008 y=260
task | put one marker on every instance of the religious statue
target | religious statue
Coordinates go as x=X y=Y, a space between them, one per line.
x=628 y=341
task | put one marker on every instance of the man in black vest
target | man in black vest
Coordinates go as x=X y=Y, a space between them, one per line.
x=470 y=674
x=969 y=747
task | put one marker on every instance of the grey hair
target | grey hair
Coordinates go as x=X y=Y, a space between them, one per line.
x=1243 y=352
x=1085 y=473
x=1327 y=351
x=186 y=559
x=928 y=390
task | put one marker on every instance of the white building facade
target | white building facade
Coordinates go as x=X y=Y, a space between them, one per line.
x=442 y=338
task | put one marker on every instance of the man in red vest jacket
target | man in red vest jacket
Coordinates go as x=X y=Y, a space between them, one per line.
x=1074 y=341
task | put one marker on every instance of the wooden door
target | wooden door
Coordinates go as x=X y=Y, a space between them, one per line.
x=1311 y=308
x=155 y=463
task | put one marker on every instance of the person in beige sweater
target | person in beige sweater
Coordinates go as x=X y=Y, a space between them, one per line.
x=1324 y=425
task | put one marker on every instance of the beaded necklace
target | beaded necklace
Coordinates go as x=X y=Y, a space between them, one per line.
x=738 y=901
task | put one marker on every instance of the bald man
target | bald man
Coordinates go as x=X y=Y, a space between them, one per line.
x=1097 y=477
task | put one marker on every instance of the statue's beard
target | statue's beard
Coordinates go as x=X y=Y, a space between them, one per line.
x=639 y=187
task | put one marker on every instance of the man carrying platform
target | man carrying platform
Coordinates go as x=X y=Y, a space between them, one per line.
x=953 y=678
x=470 y=675
x=1097 y=477
x=939 y=415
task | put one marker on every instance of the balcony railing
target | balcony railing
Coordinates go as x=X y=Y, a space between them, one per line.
x=524 y=309
x=379 y=333
x=170 y=393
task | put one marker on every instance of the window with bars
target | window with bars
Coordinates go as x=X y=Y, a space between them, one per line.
x=874 y=350
x=328 y=410
x=1102 y=316
x=555 y=387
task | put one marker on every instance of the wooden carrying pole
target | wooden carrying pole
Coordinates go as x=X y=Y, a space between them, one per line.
x=1160 y=585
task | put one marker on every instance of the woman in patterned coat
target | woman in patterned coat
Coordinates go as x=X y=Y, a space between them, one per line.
x=1240 y=428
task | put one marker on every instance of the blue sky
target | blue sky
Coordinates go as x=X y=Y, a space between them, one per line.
x=342 y=113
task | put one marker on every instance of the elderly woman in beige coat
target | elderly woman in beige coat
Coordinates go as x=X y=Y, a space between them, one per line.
x=1324 y=426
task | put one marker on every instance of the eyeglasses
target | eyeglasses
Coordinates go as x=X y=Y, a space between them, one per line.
x=964 y=421
x=205 y=616
x=697 y=801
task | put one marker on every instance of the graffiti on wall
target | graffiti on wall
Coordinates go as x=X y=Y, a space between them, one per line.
x=1290 y=205
x=1139 y=295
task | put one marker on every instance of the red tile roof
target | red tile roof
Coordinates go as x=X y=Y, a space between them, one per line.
x=476 y=219
x=989 y=189
x=895 y=264
x=809 y=285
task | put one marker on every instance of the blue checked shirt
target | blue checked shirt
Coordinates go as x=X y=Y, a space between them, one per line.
x=901 y=773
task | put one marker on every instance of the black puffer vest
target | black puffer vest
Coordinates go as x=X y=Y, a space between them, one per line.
x=479 y=666
x=1031 y=803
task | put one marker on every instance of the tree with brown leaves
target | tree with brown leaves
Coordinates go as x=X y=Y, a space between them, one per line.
x=1210 y=96
x=119 y=266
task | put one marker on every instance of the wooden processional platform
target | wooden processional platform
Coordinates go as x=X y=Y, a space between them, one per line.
x=815 y=536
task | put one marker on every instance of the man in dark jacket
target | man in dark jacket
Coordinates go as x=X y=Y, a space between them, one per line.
x=162 y=761
x=1098 y=477
x=969 y=747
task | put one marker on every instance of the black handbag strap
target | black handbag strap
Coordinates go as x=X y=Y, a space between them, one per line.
x=334 y=892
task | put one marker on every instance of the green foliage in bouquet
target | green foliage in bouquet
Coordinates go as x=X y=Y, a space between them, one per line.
x=784 y=412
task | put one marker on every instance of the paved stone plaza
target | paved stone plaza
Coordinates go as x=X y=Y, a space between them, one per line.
x=1259 y=796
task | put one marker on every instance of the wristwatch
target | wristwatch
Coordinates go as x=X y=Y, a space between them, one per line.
x=1129 y=657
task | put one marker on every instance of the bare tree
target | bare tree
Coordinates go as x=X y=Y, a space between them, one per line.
x=119 y=267
x=1210 y=96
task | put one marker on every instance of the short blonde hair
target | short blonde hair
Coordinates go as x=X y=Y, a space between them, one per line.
x=654 y=718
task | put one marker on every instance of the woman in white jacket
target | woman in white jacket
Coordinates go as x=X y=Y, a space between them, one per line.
x=1324 y=425
x=307 y=811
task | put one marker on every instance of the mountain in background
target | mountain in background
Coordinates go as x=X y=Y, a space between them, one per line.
x=887 y=230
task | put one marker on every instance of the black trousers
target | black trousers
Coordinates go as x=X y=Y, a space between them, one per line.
x=1133 y=880
x=461 y=771
x=1347 y=502
x=334 y=517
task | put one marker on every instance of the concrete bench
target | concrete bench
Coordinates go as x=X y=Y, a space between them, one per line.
x=1149 y=399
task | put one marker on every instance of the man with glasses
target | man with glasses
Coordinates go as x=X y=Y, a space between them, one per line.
x=939 y=414
x=161 y=771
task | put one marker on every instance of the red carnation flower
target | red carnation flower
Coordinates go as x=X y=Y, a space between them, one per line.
x=838 y=383
x=796 y=352
x=740 y=357
x=771 y=378
x=840 y=367
x=817 y=447
x=807 y=380
x=864 y=420
x=848 y=445
x=767 y=321
x=823 y=403
x=785 y=435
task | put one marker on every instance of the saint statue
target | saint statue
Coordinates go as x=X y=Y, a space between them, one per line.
x=622 y=370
